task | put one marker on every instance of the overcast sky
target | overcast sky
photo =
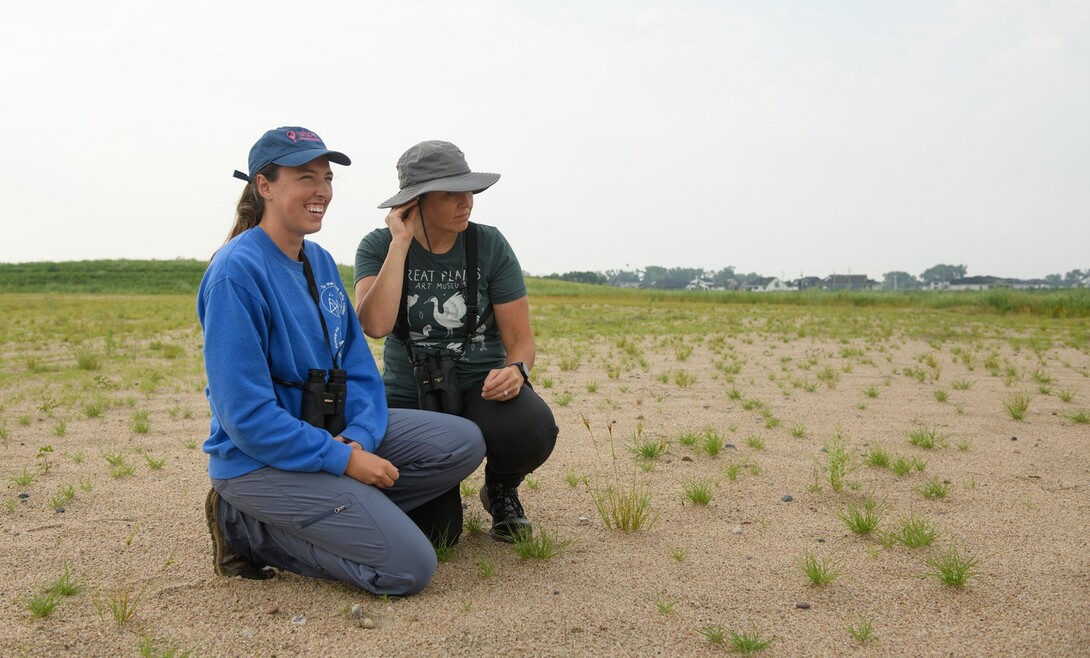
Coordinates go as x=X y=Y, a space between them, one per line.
x=784 y=138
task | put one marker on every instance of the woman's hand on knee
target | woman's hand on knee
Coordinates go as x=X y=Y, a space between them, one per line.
x=502 y=384
x=371 y=469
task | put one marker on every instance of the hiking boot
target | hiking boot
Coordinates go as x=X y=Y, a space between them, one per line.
x=508 y=520
x=226 y=562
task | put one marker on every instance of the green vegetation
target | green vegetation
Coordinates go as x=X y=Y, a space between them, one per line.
x=953 y=567
x=819 y=572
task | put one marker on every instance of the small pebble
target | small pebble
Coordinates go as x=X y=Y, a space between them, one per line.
x=59 y=510
x=821 y=540
x=299 y=620
x=802 y=605
x=1014 y=438
x=367 y=622
x=737 y=530
x=249 y=632
x=272 y=609
x=787 y=498
x=729 y=446
x=357 y=610
x=24 y=496
x=686 y=458
x=584 y=519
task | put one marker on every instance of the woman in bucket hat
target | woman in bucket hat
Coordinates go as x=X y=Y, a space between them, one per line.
x=445 y=319
x=311 y=472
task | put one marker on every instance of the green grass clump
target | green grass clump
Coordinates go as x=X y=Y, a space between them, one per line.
x=877 y=457
x=840 y=462
x=1017 y=404
x=627 y=509
x=862 y=519
x=539 y=546
x=954 y=568
x=862 y=631
x=934 y=489
x=819 y=572
x=916 y=532
x=713 y=442
x=698 y=492
x=42 y=604
x=926 y=438
x=1080 y=417
x=648 y=449
x=747 y=642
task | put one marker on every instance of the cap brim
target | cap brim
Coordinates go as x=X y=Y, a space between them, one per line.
x=302 y=157
x=472 y=182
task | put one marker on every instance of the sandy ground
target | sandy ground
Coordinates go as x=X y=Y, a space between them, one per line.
x=1017 y=500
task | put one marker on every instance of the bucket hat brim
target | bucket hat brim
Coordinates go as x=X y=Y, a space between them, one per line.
x=475 y=182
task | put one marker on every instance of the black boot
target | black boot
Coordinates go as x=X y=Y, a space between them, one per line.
x=508 y=520
x=226 y=562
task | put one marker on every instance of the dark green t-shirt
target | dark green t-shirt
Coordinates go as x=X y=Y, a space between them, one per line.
x=436 y=305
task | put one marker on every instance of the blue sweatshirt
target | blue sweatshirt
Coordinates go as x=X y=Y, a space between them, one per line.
x=260 y=322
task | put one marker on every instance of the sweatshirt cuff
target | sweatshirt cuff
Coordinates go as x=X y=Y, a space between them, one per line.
x=361 y=436
x=336 y=459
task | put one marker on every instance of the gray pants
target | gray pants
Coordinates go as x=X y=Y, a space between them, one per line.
x=325 y=526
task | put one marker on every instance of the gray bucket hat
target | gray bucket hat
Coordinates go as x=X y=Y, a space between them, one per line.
x=436 y=166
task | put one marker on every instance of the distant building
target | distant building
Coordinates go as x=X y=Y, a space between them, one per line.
x=768 y=284
x=807 y=282
x=702 y=284
x=849 y=282
x=975 y=283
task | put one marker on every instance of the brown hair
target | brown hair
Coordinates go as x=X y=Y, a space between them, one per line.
x=251 y=207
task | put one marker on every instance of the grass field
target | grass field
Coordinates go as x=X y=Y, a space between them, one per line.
x=912 y=468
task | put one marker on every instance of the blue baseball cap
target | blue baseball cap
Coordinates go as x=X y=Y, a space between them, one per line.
x=289 y=146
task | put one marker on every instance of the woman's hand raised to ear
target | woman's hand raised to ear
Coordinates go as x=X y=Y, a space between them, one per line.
x=402 y=221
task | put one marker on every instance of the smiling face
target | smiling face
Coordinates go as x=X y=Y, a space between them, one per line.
x=296 y=201
x=447 y=211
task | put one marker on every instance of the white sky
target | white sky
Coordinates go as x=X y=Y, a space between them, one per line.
x=784 y=138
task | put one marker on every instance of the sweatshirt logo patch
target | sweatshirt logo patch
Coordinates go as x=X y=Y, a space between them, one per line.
x=333 y=300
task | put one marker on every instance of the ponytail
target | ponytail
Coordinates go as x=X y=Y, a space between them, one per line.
x=251 y=207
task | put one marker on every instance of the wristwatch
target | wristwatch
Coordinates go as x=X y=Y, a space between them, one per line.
x=522 y=369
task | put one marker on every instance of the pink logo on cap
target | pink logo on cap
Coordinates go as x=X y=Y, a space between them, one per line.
x=291 y=135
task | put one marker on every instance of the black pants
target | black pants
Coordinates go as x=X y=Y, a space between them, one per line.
x=519 y=435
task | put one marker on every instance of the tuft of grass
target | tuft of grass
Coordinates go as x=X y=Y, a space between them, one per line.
x=42 y=604
x=747 y=642
x=926 y=438
x=564 y=399
x=485 y=567
x=819 y=572
x=66 y=585
x=862 y=631
x=121 y=603
x=665 y=605
x=1067 y=395
x=941 y=395
x=122 y=471
x=798 y=430
x=574 y=479
x=627 y=509
x=840 y=462
x=1017 y=404
x=862 y=519
x=24 y=478
x=871 y=392
x=155 y=464
x=713 y=442
x=87 y=360
x=539 y=546
x=877 y=457
x=934 y=489
x=916 y=532
x=714 y=634
x=953 y=567
x=679 y=554
x=648 y=449
x=698 y=492
x=755 y=442
x=1080 y=417
x=148 y=648
x=961 y=384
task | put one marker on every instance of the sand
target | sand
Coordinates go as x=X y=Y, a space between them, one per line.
x=1017 y=500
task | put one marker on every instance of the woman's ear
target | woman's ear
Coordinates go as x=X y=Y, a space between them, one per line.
x=263 y=187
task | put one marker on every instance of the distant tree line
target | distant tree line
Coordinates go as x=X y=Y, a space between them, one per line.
x=678 y=278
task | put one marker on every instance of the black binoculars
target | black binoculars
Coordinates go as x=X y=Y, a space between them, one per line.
x=437 y=382
x=323 y=399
